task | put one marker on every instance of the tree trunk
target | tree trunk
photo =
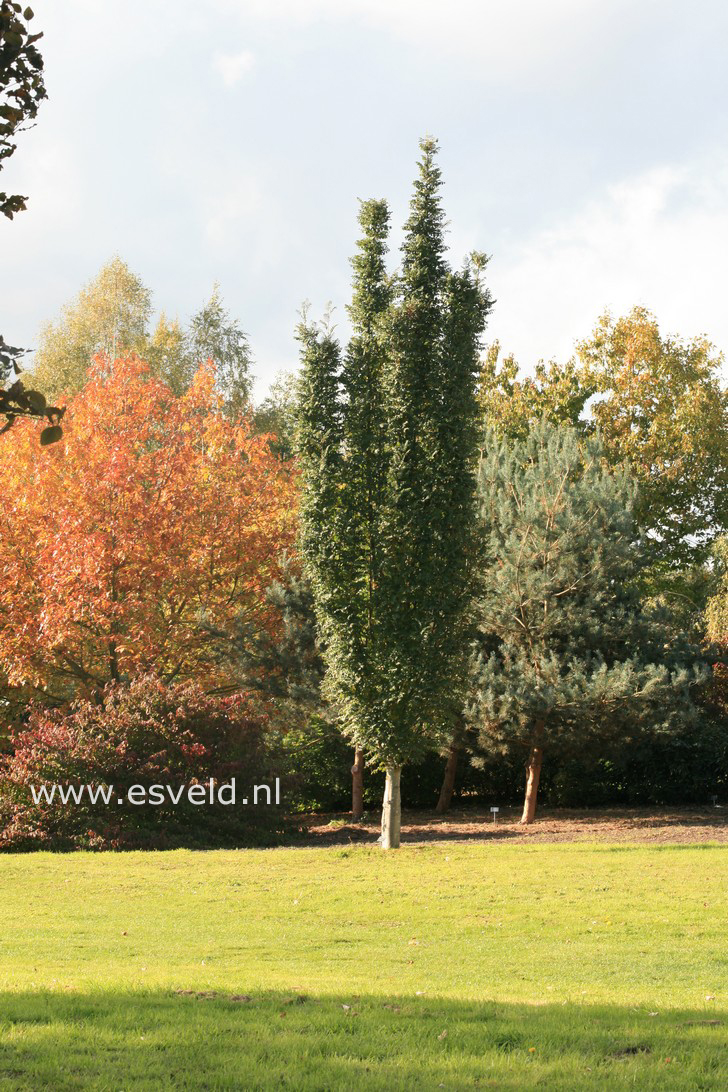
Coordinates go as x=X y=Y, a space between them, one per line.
x=391 y=809
x=448 y=781
x=534 y=775
x=357 y=786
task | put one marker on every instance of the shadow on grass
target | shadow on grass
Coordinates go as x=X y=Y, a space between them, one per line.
x=206 y=1040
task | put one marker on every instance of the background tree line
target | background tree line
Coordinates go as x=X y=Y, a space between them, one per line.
x=490 y=567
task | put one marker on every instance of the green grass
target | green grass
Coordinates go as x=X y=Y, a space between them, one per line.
x=551 y=966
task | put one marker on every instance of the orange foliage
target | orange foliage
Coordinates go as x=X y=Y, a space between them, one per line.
x=152 y=514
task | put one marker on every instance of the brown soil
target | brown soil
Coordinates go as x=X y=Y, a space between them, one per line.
x=652 y=826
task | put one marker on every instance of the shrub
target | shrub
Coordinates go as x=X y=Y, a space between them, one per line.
x=143 y=733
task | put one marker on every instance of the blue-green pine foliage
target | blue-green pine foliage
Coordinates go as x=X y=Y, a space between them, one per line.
x=567 y=656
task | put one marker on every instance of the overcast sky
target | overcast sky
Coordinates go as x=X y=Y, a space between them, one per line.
x=583 y=145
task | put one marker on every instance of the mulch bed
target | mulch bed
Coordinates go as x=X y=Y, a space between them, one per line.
x=652 y=826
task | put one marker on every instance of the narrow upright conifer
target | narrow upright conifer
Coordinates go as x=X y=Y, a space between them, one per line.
x=387 y=442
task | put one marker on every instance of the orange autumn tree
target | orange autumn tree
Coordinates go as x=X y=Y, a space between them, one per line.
x=153 y=520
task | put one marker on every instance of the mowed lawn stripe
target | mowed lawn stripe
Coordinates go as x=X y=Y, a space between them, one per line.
x=608 y=923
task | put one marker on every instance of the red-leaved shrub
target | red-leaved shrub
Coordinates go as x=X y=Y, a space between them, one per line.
x=144 y=733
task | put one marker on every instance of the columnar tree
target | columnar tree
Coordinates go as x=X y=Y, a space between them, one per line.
x=565 y=656
x=364 y=439
x=386 y=440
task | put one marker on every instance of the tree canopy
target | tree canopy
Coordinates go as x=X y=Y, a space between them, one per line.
x=512 y=405
x=566 y=655
x=155 y=518
x=662 y=405
x=658 y=401
x=22 y=87
x=214 y=335
x=109 y=316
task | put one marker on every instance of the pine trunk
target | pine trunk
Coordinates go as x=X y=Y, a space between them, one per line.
x=448 y=781
x=535 y=761
x=391 y=809
x=357 y=786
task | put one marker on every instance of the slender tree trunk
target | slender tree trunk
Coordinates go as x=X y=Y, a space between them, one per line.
x=448 y=781
x=535 y=760
x=357 y=786
x=391 y=809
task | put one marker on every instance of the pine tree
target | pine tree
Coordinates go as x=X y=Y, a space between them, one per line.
x=386 y=442
x=566 y=656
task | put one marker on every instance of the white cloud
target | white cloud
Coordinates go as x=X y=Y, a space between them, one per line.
x=658 y=239
x=233 y=66
x=503 y=38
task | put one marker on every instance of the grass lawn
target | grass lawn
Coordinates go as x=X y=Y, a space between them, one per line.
x=569 y=966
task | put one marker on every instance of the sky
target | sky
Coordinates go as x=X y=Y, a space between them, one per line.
x=582 y=143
